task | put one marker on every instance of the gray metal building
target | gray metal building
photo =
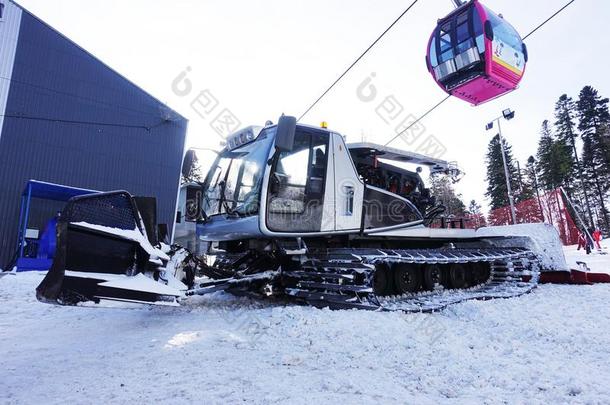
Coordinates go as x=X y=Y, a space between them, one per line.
x=67 y=118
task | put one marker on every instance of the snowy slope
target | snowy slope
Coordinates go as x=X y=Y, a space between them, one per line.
x=550 y=346
x=595 y=261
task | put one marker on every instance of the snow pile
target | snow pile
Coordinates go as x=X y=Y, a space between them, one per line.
x=551 y=346
x=542 y=239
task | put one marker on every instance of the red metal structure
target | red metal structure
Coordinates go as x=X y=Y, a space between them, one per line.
x=476 y=55
x=550 y=208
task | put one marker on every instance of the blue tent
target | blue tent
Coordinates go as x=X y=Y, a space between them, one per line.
x=46 y=243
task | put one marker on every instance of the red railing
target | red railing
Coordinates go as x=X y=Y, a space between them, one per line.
x=549 y=208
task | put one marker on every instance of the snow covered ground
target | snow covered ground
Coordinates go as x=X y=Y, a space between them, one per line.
x=595 y=261
x=551 y=346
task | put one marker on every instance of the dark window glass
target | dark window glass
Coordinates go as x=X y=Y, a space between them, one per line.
x=384 y=210
x=463 y=18
x=476 y=22
x=464 y=39
x=463 y=33
x=478 y=30
x=445 y=41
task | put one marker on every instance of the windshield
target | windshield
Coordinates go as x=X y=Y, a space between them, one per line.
x=504 y=31
x=233 y=184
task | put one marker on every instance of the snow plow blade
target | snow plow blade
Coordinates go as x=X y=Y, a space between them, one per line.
x=574 y=277
x=542 y=239
x=103 y=252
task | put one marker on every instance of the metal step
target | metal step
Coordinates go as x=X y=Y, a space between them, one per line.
x=336 y=287
x=335 y=301
x=315 y=274
x=351 y=264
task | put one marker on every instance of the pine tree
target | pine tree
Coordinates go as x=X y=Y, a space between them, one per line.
x=191 y=170
x=544 y=156
x=531 y=175
x=604 y=133
x=526 y=188
x=497 y=191
x=474 y=208
x=526 y=205
x=554 y=160
x=576 y=186
x=476 y=214
x=565 y=127
x=442 y=189
x=594 y=118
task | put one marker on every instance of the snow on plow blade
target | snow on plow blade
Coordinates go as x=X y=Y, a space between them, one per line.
x=541 y=239
x=103 y=253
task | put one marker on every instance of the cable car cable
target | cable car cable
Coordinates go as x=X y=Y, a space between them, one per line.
x=549 y=19
x=358 y=59
x=447 y=97
x=419 y=119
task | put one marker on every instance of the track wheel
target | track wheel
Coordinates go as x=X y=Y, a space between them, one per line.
x=481 y=273
x=382 y=282
x=407 y=278
x=458 y=276
x=433 y=276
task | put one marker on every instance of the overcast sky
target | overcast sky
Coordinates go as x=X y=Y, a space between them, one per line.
x=262 y=58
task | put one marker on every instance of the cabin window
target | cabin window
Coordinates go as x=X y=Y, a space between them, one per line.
x=445 y=38
x=504 y=32
x=477 y=27
x=445 y=44
x=433 y=58
x=382 y=209
x=463 y=37
x=296 y=187
x=463 y=33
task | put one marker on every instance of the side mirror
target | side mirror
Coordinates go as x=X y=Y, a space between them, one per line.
x=284 y=137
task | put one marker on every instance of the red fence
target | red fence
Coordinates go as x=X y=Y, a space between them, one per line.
x=549 y=208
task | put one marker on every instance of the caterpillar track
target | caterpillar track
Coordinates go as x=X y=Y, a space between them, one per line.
x=354 y=278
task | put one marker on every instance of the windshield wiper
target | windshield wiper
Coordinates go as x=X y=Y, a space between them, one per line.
x=223 y=199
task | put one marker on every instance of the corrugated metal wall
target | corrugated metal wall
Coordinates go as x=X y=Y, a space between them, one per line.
x=9 y=33
x=72 y=120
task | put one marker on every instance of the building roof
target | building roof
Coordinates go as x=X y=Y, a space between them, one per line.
x=167 y=111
